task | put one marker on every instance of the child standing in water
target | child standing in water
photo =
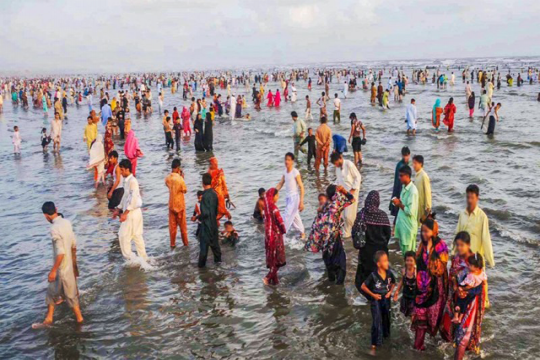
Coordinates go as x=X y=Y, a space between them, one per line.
x=258 y=212
x=45 y=139
x=379 y=285
x=16 y=140
x=230 y=235
x=407 y=285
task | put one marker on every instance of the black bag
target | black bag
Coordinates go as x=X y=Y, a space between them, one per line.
x=359 y=233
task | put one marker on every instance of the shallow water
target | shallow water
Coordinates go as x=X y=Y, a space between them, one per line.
x=179 y=311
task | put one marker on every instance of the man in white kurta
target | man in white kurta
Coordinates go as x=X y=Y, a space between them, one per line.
x=348 y=176
x=131 y=215
x=294 y=196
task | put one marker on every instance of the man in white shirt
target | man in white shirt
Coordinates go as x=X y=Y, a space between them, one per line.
x=348 y=176
x=294 y=198
x=63 y=275
x=337 y=109
x=232 y=107
x=130 y=215
x=411 y=117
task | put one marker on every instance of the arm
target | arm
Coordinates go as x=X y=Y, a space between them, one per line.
x=363 y=130
x=486 y=243
x=303 y=141
x=301 y=186
x=57 y=262
x=280 y=183
x=74 y=260
x=400 y=286
x=357 y=179
x=367 y=291
x=427 y=190
x=352 y=132
x=116 y=183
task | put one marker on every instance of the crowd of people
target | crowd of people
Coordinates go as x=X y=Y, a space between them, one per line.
x=443 y=286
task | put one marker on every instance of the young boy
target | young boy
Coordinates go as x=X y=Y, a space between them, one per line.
x=16 y=140
x=258 y=212
x=45 y=139
x=379 y=285
x=312 y=147
x=116 y=191
x=178 y=128
x=230 y=236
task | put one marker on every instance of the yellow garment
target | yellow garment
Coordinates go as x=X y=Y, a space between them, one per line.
x=113 y=104
x=423 y=185
x=90 y=133
x=477 y=225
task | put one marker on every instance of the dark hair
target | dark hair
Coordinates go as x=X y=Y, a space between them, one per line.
x=289 y=154
x=405 y=151
x=207 y=179
x=113 y=154
x=430 y=222
x=335 y=156
x=419 y=158
x=476 y=260
x=378 y=255
x=309 y=129
x=463 y=236
x=125 y=164
x=261 y=191
x=331 y=191
x=199 y=193
x=48 y=208
x=409 y=254
x=405 y=169
x=294 y=114
x=352 y=116
x=227 y=223
x=175 y=164
x=473 y=188
x=323 y=120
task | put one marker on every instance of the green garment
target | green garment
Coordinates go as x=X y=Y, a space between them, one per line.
x=407 y=222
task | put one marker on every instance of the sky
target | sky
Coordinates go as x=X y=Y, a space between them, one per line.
x=57 y=36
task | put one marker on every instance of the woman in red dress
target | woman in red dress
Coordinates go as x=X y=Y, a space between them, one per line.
x=449 y=111
x=274 y=229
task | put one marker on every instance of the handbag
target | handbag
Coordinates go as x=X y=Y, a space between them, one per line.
x=359 y=236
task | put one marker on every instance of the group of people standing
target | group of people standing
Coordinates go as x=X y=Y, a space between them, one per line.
x=438 y=299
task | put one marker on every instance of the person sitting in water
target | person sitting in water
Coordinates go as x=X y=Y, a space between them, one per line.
x=258 y=212
x=230 y=235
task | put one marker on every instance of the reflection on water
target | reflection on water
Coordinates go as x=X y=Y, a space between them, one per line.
x=179 y=311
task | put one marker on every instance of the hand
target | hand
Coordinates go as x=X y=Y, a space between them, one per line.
x=123 y=217
x=301 y=206
x=388 y=295
x=396 y=202
x=52 y=276
x=396 y=296
x=193 y=218
x=109 y=195
x=116 y=212
x=377 y=296
x=339 y=188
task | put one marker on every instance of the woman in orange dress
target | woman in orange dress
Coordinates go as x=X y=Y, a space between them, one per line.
x=220 y=187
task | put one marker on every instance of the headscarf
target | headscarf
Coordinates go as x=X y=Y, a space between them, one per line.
x=97 y=152
x=131 y=147
x=437 y=105
x=269 y=207
x=371 y=214
x=185 y=113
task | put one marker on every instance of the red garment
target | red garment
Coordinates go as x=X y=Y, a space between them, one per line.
x=274 y=229
x=449 y=111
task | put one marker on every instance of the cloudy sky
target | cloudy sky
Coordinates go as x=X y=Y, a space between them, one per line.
x=133 y=35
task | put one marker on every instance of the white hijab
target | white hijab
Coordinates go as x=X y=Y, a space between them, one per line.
x=97 y=152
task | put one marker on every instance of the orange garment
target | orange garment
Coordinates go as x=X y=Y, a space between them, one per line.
x=323 y=136
x=220 y=187
x=177 y=207
x=437 y=121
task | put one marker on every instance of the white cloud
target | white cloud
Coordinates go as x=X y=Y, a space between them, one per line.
x=132 y=35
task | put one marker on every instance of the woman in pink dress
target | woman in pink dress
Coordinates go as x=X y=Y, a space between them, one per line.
x=277 y=98
x=131 y=147
x=186 y=117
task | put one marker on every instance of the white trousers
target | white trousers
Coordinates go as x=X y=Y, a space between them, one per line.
x=308 y=115
x=292 y=214
x=349 y=216
x=132 y=229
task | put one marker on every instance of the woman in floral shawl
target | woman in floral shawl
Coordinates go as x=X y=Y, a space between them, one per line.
x=431 y=282
x=274 y=228
x=220 y=187
x=326 y=233
x=466 y=334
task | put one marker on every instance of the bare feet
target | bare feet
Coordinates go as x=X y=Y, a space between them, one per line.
x=265 y=282
x=45 y=324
